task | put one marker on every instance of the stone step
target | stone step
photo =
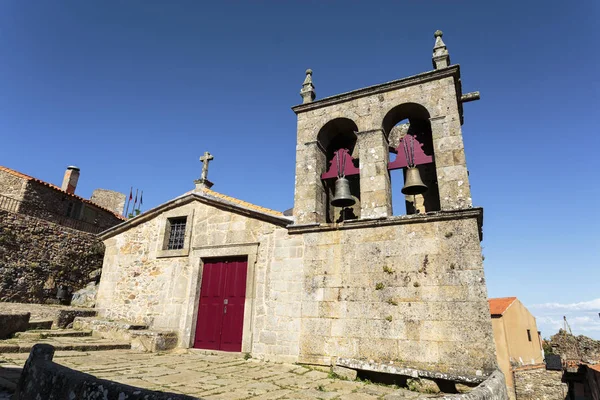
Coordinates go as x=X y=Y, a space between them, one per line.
x=153 y=341
x=139 y=335
x=40 y=324
x=99 y=324
x=43 y=334
x=97 y=345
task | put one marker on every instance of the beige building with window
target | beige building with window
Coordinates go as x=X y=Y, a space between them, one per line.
x=517 y=339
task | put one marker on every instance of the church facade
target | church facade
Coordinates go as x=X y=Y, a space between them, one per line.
x=343 y=278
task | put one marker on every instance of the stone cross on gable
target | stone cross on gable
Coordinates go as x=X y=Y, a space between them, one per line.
x=205 y=159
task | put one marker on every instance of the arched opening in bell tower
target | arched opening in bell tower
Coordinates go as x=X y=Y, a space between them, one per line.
x=408 y=130
x=337 y=140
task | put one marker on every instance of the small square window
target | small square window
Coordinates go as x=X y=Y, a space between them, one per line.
x=529 y=334
x=175 y=235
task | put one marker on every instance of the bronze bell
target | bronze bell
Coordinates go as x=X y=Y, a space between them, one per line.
x=413 y=183
x=342 y=198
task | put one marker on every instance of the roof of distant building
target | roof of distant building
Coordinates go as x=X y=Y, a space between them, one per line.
x=52 y=186
x=500 y=304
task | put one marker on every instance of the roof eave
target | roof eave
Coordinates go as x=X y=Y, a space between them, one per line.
x=182 y=200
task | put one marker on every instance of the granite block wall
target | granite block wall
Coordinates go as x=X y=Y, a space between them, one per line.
x=37 y=255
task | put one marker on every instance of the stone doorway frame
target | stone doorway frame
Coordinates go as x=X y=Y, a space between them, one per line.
x=197 y=256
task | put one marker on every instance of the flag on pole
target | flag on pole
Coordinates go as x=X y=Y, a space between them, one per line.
x=141 y=198
x=128 y=202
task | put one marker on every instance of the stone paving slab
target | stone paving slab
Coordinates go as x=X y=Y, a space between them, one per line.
x=208 y=376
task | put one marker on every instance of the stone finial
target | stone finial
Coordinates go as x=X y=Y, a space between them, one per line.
x=308 y=89
x=441 y=58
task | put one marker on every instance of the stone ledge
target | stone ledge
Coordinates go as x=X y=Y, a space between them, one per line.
x=405 y=371
x=395 y=220
x=530 y=367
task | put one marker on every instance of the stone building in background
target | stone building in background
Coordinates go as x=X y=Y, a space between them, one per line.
x=328 y=285
x=47 y=235
x=24 y=194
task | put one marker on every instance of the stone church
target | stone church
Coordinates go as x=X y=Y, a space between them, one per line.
x=342 y=277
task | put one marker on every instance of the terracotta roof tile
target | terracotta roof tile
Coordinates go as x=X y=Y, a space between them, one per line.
x=595 y=367
x=243 y=203
x=500 y=304
x=52 y=186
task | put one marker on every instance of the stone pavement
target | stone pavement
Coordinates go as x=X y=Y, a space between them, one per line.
x=214 y=376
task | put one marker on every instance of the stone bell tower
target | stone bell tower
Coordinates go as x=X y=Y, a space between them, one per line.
x=380 y=286
x=363 y=122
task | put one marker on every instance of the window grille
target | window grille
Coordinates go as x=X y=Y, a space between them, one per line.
x=176 y=233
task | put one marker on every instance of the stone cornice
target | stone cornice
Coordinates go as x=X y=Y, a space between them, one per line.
x=451 y=71
x=396 y=220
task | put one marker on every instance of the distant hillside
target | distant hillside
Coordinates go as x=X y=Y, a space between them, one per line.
x=571 y=347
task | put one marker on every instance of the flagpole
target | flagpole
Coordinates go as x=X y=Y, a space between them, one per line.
x=128 y=201
x=134 y=202
x=141 y=198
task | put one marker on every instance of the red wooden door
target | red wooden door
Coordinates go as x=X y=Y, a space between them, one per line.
x=221 y=311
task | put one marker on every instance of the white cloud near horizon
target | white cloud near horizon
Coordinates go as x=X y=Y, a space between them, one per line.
x=582 y=317
x=592 y=305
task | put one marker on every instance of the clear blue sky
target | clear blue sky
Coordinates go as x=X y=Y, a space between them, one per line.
x=133 y=92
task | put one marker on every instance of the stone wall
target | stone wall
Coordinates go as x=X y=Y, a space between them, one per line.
x=109 y=199
x=36 y=256
x=536 y=383
x=411 y=291
x=12 y=186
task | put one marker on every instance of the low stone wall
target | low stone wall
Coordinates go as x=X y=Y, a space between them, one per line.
x=36 y=256
x=492 y=387
x=60 y=316
x=535 y=382
x=42 y=376
x=13 y=323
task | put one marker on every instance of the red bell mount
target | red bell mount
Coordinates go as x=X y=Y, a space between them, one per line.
x=400 y=162
x=345 y=159
x=419 y=155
